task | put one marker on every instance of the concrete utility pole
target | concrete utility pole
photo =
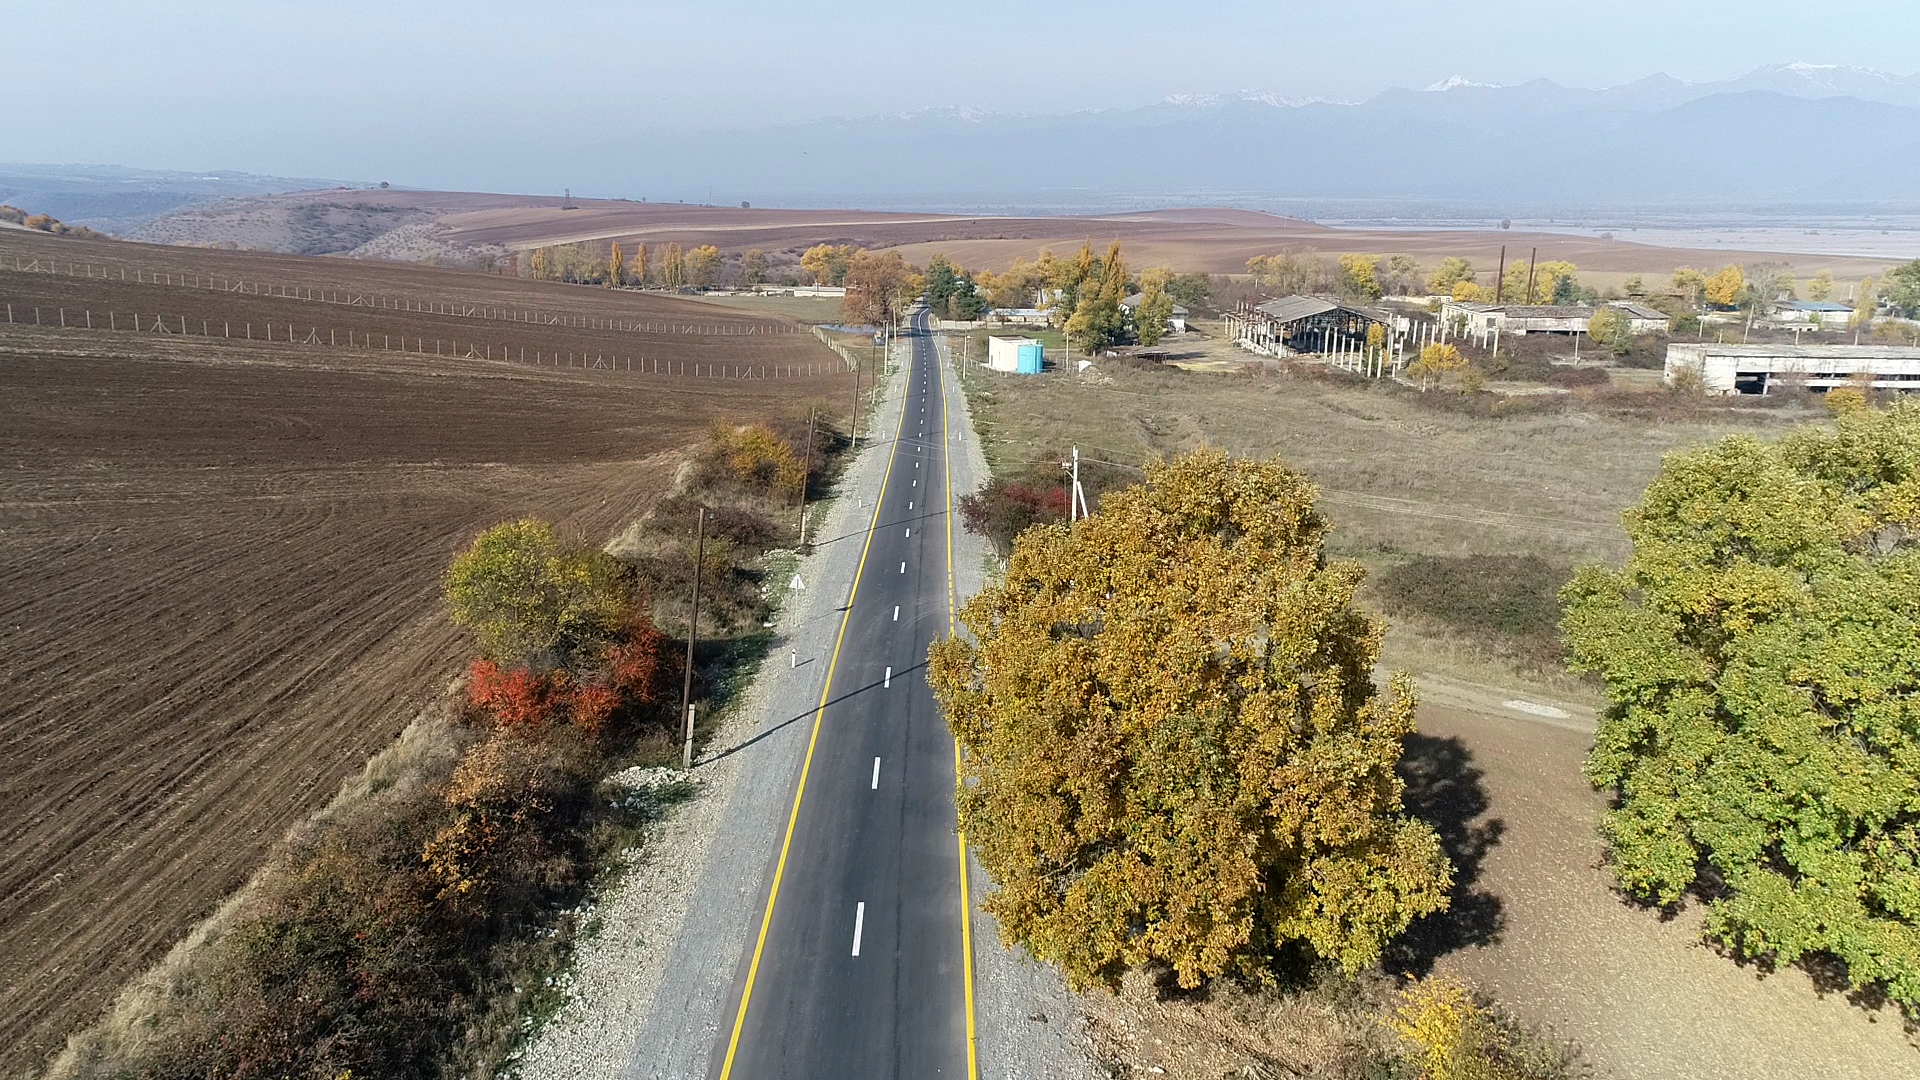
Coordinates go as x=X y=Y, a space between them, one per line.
x=806 y=471
x=693 y=631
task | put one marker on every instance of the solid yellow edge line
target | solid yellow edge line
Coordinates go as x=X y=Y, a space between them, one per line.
x=966 y=902
x=819 y=713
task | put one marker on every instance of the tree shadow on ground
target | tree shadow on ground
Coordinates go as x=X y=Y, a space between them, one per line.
x=1444 y=790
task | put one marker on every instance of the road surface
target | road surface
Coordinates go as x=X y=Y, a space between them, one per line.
x=861 y=966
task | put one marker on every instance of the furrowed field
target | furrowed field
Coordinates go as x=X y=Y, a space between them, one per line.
x=220 y=558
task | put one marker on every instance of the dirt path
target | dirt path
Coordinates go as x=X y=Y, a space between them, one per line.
x=1539 y=928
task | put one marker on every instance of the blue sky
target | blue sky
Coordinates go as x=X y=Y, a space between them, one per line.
x=450 y=94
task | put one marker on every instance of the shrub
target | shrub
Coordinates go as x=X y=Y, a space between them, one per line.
x=517 y=697
x=1453 y=1037
x=1173 y=751
x=1574 y=378
x=1510 y=598
x=531 y=597
x=1004 y=509
x=752 y=456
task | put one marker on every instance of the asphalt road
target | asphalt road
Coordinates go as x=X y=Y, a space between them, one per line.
x=860 y=969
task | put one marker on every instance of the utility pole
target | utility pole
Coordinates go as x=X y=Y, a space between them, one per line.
x=693 y=631
x=1500 y=276
x=853 y=439
x=806 y=470
x=1532 y=262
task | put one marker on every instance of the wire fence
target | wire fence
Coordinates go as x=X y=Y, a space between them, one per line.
x=459 y=309
x=329 y=337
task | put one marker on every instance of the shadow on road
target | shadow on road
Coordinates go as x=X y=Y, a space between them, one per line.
x=1444 y=790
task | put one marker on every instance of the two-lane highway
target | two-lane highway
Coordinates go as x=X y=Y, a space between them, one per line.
x=862 y=967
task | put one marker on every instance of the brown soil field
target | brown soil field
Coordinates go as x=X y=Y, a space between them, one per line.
x=1204 y=240
x=219 y=568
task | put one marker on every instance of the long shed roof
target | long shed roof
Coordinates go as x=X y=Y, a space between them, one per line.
x=1294 y=308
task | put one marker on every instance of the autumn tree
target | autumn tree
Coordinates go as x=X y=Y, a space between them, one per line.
x=828 y=264
x=640 y=267
x=528 y=595
x=1450 y=272
x=879 y=287
x=1172 y=747
x=1866 y=304
x=541 y=264
x=616 y=265
x=1435 y=363
x=1287 y=272
x=1611 y=329
x=1097 y=320
x=1821 y=287
x=1152 y=317
x=1360 y=277
x=753 y=267
x=673 y=267
x=1553 y=282
x=1018 y=287
x=1467 y=292
x=703 y=264
x=1725 y=288
x=1760 y=652
x=1691 y=284
x=1403 y=274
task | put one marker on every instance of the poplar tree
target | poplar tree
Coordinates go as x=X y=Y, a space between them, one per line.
x=615 y=264
x=640 y=264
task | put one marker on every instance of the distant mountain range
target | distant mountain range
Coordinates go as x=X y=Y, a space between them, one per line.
x=1795 y=134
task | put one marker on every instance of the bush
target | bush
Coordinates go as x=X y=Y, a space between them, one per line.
x=1574 y=378
x=1004 y=509
x=1132 y=698
x=532 y=598
x=1453 y=1037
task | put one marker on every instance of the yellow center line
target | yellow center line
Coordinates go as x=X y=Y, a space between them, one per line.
x=966 y=902
x=793 y=817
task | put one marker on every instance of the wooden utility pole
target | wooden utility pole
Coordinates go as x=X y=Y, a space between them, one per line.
x=1500 y=276
x=693 y=631
x=806 y=472
x=1533 y=261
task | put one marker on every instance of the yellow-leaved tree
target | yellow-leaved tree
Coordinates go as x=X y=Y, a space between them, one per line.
x=673 y=268
x=1435 y=363
x=616 y=266
x=1725 y=287
x=703 y=264
x=640 y=264
x=1173 y=751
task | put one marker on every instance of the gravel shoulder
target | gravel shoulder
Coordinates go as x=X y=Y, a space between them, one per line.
x=649 y=990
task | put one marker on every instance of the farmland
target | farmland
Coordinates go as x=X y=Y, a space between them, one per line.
x=219 y=557
x=426 y=224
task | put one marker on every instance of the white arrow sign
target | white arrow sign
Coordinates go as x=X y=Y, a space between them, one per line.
x=796 y=583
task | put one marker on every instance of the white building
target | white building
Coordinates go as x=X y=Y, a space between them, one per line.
x=1822 y=313
x=1760 y=369
x=1018 y=355
x=1522 y=319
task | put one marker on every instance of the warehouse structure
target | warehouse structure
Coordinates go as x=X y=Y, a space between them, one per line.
x=1307 y=324
x=1519 y=320
x=1763 y=369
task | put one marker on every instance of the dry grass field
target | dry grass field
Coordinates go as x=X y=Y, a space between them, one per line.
x=422 y=224
x=219 y=563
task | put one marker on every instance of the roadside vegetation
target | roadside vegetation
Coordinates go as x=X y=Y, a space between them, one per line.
x=46 y=223
x=419 y=926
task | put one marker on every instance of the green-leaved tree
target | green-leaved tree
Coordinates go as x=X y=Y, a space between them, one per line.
x=533 y=598
x=1761 y=653
x=1172 y=746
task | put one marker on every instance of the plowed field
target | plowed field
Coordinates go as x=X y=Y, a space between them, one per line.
x=219 y=563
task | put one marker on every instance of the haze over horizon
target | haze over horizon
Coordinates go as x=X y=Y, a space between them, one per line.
x=494 y=97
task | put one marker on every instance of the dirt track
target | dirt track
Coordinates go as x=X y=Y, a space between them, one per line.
x=218 y=594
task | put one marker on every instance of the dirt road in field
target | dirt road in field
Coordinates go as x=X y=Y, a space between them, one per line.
x=1537 y=925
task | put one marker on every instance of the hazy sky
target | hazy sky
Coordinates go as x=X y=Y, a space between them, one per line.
x=479 y=94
